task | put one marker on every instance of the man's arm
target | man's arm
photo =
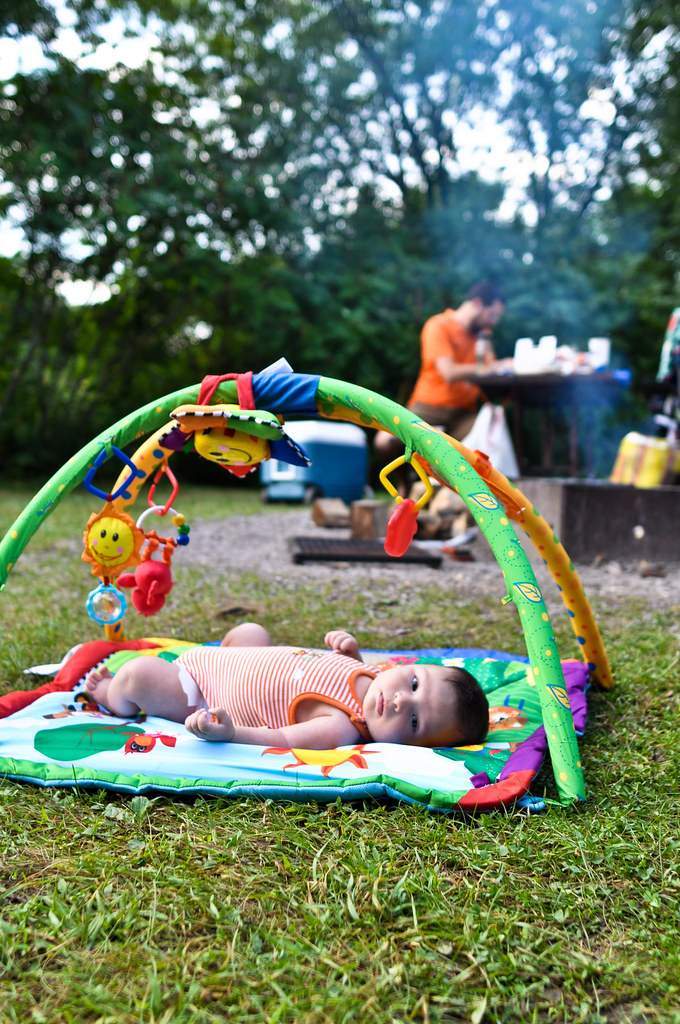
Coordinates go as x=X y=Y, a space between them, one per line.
x=449 y=370
x=440 y=349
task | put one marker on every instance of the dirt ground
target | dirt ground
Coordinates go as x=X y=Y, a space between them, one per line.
x=261 y=544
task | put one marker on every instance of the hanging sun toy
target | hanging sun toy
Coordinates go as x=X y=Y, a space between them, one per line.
x=112 y=543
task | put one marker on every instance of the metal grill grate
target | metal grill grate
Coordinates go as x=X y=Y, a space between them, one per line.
x=324 y=549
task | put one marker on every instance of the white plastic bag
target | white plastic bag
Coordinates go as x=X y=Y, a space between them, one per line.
x=490 y=435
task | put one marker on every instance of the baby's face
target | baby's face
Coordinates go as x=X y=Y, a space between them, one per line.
x=411 y=704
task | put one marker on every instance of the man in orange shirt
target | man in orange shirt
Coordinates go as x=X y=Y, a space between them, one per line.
x=455 y=351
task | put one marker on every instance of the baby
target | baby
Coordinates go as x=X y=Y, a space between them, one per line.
x=247 y=691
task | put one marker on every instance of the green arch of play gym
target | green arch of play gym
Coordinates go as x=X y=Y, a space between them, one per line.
x=446 y=460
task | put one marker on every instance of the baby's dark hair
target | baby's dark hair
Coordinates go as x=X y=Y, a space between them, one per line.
x=472 y=707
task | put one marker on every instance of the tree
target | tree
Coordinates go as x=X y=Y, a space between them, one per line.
x=293 y=177
x=28 y=17
x=648 y=206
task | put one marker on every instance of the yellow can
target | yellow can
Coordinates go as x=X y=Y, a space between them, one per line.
x=645 y=461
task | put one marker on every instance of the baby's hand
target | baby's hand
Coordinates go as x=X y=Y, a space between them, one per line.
x=343 y=642
x=214 y=724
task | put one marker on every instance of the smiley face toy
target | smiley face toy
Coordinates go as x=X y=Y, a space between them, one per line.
x=112 y=542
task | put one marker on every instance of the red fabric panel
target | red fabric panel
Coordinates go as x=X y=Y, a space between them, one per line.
x=209 y=386
x=80 y=662
x=244 y=388
x=498 y=794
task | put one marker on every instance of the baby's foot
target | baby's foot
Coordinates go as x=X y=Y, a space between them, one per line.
x=112 y=691
x=97 y=684
x=215 y=724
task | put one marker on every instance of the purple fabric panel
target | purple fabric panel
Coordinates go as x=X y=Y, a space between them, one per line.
x=528 y=756
x=576 y=678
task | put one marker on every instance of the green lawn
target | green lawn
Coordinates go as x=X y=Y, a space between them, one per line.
x=137 y=910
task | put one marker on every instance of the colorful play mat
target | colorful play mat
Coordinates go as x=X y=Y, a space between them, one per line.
x=62 y=738
x=54 y=736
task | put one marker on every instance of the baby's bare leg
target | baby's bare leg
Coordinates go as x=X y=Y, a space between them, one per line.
x=247 y=634
x=144 y=684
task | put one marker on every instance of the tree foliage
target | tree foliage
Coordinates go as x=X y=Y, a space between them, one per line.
x=648 y=203
x=28 y=17
x=314 y=178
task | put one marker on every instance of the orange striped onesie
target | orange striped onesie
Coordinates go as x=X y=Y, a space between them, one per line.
x=262 y=686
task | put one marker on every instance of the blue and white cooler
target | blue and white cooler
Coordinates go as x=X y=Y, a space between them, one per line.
x=339 y=454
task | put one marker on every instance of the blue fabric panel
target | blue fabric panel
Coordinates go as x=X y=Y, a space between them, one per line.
x=285 y=452
x=453 y=652
x=286 y=392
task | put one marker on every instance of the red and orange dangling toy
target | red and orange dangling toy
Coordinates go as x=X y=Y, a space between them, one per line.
x=151 y=581
x=403 y=522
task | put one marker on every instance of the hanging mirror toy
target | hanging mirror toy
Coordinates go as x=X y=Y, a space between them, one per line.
x=106 y=604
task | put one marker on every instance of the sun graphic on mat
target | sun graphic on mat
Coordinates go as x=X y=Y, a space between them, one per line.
x=112 y=541
x=324 y=759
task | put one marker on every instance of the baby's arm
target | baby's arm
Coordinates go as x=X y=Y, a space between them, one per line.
x=319 y=733
x=214 y=724
x=344 y=643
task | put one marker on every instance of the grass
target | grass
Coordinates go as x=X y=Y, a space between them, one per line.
x=140 y=910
